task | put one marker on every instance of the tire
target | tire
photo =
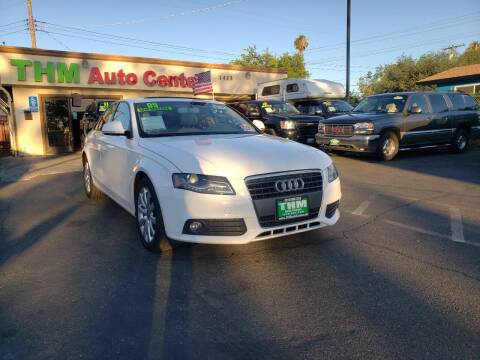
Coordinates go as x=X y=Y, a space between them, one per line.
x=148 y=215
x=91 y=190
x=460 y=141
x=388 y=146
x=272 y=132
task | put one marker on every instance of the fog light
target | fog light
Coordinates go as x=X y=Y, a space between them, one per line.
x=195 y=226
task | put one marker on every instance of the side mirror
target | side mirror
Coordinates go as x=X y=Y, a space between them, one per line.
x=114 y=128
x=318 y=112
x=415 y=110
x=259 y=125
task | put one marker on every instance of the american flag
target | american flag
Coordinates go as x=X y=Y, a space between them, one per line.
x=203 y=83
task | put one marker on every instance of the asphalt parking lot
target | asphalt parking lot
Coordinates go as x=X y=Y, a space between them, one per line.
x=397 y=277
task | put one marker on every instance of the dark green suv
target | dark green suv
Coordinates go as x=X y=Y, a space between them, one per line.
x=383 y=124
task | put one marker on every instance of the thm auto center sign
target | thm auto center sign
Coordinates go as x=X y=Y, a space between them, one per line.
x=60 y=72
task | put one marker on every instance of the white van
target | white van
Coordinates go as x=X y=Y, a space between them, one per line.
x=294 y=89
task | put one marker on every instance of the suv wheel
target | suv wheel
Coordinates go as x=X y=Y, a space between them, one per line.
x=460 y=141
x=91 y=190
x=388 y=146
x=151 y=229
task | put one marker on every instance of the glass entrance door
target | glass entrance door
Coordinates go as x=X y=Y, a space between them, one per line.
x=58 y=124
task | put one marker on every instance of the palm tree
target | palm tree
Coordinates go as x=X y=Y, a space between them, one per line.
x=301 y=43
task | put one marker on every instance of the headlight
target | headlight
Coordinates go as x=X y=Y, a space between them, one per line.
x=287 y=125
x=205 y=184
x=321 y=128
x=363 y=128
x=332 y=173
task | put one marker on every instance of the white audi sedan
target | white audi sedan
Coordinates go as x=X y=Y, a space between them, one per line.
x=197 y=171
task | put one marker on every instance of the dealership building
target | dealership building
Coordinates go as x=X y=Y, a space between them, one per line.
x=47 y=92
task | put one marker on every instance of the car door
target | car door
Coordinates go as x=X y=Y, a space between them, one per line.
x=440 y=130
x=417 y=121
x=97 y=143
x=119 y=156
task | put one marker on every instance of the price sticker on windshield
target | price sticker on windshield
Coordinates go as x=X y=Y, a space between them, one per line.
x=153 y=107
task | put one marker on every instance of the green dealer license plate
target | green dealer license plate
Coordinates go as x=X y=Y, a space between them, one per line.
x=333 y=142
x=292 y=207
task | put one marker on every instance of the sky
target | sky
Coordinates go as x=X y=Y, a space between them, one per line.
x=216 y=31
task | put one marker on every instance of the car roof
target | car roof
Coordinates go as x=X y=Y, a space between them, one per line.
x=256 y=101
x=172 y=98
x=407 y=93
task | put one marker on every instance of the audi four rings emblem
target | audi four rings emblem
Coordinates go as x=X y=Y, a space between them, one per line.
x=289 y=185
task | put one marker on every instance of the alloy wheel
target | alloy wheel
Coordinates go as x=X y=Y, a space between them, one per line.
x=87 y=177
x=461 y=142
x=146 y=214
x=388 y=147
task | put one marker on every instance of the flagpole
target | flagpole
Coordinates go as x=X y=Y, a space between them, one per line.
x=211 y=79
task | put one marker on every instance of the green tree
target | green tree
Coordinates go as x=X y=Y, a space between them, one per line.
x=470 y=56
x=301 y=43
x=293 y=63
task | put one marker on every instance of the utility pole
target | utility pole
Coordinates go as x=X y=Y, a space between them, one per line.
x=31 y=24
x=453 y=50
x=347 y=90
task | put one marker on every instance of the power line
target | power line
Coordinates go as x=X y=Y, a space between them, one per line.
x=174 y=15
x=82 y=31
x=14 y=32
x=13 y=23
x=16 y=27
x=445 y=23
x=130 y=45
x=393 y=49
x=57 y=40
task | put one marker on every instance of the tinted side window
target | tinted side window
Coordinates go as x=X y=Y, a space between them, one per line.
x=271 y=90
x=457 y=101
x=123 y=115
x=302 y=108
x=438 y=103
x=316 y=110
x=241 y=107
x=417 y=101
x=253 y=108
x=470 y=104
x=292 y=87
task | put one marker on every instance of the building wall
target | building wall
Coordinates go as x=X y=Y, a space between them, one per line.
x=450 y=86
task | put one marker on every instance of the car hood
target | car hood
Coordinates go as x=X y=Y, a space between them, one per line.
x=236 y=156
x=353 y=118
x=295 y=117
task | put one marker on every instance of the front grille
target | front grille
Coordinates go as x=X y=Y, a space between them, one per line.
x=338 y=130
x=307 y=129
x=264 y=188
x=270 y=220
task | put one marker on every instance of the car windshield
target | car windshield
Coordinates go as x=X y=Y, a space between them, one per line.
x=170 y=118
x=337 y=106
x=382 y=104
x=278 y=107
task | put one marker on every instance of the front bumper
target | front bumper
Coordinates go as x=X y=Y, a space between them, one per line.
x=178 y=206
x=299 y=136
x=355 y=143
